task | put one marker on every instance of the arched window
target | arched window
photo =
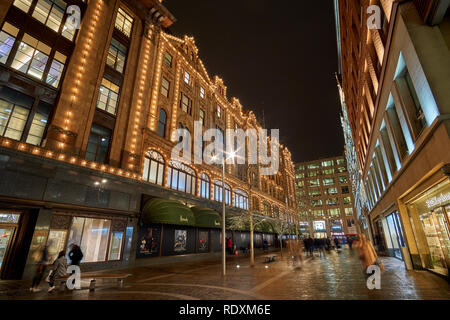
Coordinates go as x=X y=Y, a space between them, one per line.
x=153 y=168
x=218 y=192
x=204 y=186
x=181 y=177
x=266 y=209
x=162 y=123
x=240 y=199
x=275 y=211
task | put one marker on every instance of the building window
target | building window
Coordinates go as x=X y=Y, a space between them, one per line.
x=117 y=54
x=300 y=168
x=332 y=202
x=98 y=144
x=327 y=163
x=7 y=38
x=23 y=5
x=328 y=181
x=204 y=186
x=108 y=97
x=314 y=173
x=182 y=178
x=314 y=183
x=187 y=78
x=328 y=171
x=56 y=70
x=313 y=166
x=332 y=191
x=168 y=59
x=300 y=175
x=240 y=199
x=348 y=211
x=165 y=87
x=50 y=13
x=153 y=168
x=300 y=184
x=340 y=161
x=275 y=211
x=334 y=212
x=202 y=117
x=124 y=22
x=218 y=192
x=345 y=190
x=266 y=209
x=202 y=93
x=12 y=120
x=39 y=124
x=186 y=103
x=31 y=57
x=92 y=236
x=219 y=111
x=314 y=192
x=343 y=179
x=342 y=169
x=162 y=123
x=318 y=213
x=316 y=203
x=347 y=200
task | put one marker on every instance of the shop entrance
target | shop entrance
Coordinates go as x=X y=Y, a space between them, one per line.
x=436 y=228
x=8 y=226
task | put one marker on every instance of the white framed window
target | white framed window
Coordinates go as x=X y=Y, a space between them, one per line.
x=165 y=87
x=124 y=22
x=202 y=93
x=187 y=77
x=108 y=97
x=50 y=13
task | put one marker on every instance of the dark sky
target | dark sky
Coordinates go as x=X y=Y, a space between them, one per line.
x=276 y=56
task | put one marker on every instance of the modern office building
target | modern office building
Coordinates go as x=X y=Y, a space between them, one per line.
x=88 y=119
x=325 y=199
x=395 y=76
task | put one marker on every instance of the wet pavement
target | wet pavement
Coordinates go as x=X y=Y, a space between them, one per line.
x=330 y=276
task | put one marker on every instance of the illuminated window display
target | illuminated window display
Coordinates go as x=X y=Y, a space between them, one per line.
x=431 y=212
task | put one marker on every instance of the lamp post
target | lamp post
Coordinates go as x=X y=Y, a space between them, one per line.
x=224 y=253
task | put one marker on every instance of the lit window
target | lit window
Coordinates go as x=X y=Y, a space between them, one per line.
x=240 y=199
x=185 y=103
x=12 y=120
x=332 y=191
x=219 y=111
x=328 y=171
x=165 y=86
x=168 y=59
x=50 y=13
x=153 y=168
x=39 y=124
x=327 y=163
x=218 y=190
x=343 y=179
x=56 y=69
x=187 y=77
x=340 y=161
x=124 y=22
x=347 y=200
x=181 y=177
x=204 y=186
x=116 y=55
x=23 y=5
x=202 y=93
x=31 y=57
x=334 y=212
x=313 y=166
x=328 y=181
x=108 y=97
x=7 y=38
x=348 y=211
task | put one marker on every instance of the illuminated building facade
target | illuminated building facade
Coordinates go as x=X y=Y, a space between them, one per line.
x=87 y=123
x=324 y=192
x=394 y=79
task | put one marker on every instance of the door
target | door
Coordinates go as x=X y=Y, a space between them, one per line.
x=6 y=236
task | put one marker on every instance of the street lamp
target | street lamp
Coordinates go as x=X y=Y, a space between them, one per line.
x=232 y=155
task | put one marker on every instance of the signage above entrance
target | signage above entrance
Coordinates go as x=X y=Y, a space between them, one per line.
x=436 y=201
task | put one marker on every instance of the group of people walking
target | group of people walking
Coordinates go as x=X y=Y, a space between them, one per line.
x=57 y=270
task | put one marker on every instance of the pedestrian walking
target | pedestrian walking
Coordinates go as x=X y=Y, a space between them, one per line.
x=230 y=246
x=328 y=244
x=75 y=255
x=367 y=254
x=350 y=242
x=41 y=257
x=59 y=269
x=336 y=243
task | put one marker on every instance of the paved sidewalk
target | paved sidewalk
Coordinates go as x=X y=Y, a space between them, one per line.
x=336 y=276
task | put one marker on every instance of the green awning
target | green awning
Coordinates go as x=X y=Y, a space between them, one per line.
x=167 y=212
x=206 y=218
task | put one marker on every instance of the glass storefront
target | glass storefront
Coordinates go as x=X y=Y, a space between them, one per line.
x=320 y=230
x=394 y=232
x=431 y=212
x=8 y=225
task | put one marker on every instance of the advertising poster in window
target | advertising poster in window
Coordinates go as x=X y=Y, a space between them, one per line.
x=203 y=241
x=180 y=241
x=148 y=242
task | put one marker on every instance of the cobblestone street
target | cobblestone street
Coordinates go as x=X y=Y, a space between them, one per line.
x=336 y=276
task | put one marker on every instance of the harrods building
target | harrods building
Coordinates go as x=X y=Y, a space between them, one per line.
x=88 y=120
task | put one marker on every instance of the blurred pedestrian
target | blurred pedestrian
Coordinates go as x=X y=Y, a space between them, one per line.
x=59 y=269
x=350 y=242
x=336 y=243
x=367 y=254
x=40 y=257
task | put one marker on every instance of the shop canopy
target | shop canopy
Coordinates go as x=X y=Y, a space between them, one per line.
x=167 y=212
x=265 y=227
x=206 y=218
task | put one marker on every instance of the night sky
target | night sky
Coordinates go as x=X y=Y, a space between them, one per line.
x=276 y=56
